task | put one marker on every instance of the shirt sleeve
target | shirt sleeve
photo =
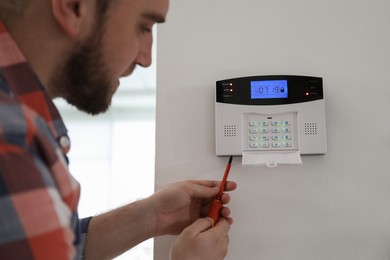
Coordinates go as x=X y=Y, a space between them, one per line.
x=83 y=225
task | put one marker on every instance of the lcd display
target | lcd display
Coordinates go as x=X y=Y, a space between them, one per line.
x=268 y=89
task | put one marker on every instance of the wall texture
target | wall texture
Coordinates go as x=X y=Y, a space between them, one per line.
x=334 y=206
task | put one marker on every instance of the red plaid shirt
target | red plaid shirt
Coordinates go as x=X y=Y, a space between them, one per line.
x=38 y=196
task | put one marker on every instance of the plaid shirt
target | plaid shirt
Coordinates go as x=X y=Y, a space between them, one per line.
x=38 y=196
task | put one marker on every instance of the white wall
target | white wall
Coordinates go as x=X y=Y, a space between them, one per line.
x=335 y=206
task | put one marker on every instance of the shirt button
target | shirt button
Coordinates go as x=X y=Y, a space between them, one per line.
x=64 y=141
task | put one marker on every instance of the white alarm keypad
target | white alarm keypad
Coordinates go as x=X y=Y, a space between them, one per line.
x=270 y=132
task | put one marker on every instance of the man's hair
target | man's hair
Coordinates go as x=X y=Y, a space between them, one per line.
x=9 y=8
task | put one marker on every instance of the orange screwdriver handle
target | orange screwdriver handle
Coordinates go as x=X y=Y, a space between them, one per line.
x=215 y=210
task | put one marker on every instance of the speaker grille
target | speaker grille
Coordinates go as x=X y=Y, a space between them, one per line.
x=311 y=129
x=230 y=130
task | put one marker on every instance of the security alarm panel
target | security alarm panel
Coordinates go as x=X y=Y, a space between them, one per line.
x=270 y=113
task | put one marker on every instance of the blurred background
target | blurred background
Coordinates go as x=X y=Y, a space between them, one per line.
x=112 y=155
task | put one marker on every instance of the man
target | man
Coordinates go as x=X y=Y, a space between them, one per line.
x=78 y=50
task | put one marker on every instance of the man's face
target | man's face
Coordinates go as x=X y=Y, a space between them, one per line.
x=119 y=41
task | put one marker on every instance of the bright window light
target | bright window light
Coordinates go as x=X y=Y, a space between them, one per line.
x=112 y=155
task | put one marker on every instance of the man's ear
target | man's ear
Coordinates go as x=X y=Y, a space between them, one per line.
x=69 y=15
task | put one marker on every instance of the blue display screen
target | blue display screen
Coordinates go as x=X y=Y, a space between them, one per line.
x=268 y=89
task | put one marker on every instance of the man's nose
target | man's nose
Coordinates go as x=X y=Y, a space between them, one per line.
x=144 y=57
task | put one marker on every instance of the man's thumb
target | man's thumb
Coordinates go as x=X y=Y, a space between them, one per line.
x=200 y=225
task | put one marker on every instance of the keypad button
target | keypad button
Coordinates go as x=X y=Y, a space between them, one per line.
x=253 y=138
x=254 y=145
x=264 y=138
x=252 y=123
x=275 y=130
x=275 y=145
x=264 y=130
x=287 y=137
x=286 y=130
x=287 y=144
x=264 y=145
x=253 y=131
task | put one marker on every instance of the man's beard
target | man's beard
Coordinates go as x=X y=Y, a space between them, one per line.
x=83 y=80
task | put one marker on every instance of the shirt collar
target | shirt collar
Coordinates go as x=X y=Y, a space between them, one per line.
x=24 y=85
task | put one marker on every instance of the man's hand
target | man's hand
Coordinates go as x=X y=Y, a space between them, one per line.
x=200 y=241
x=180 y=204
